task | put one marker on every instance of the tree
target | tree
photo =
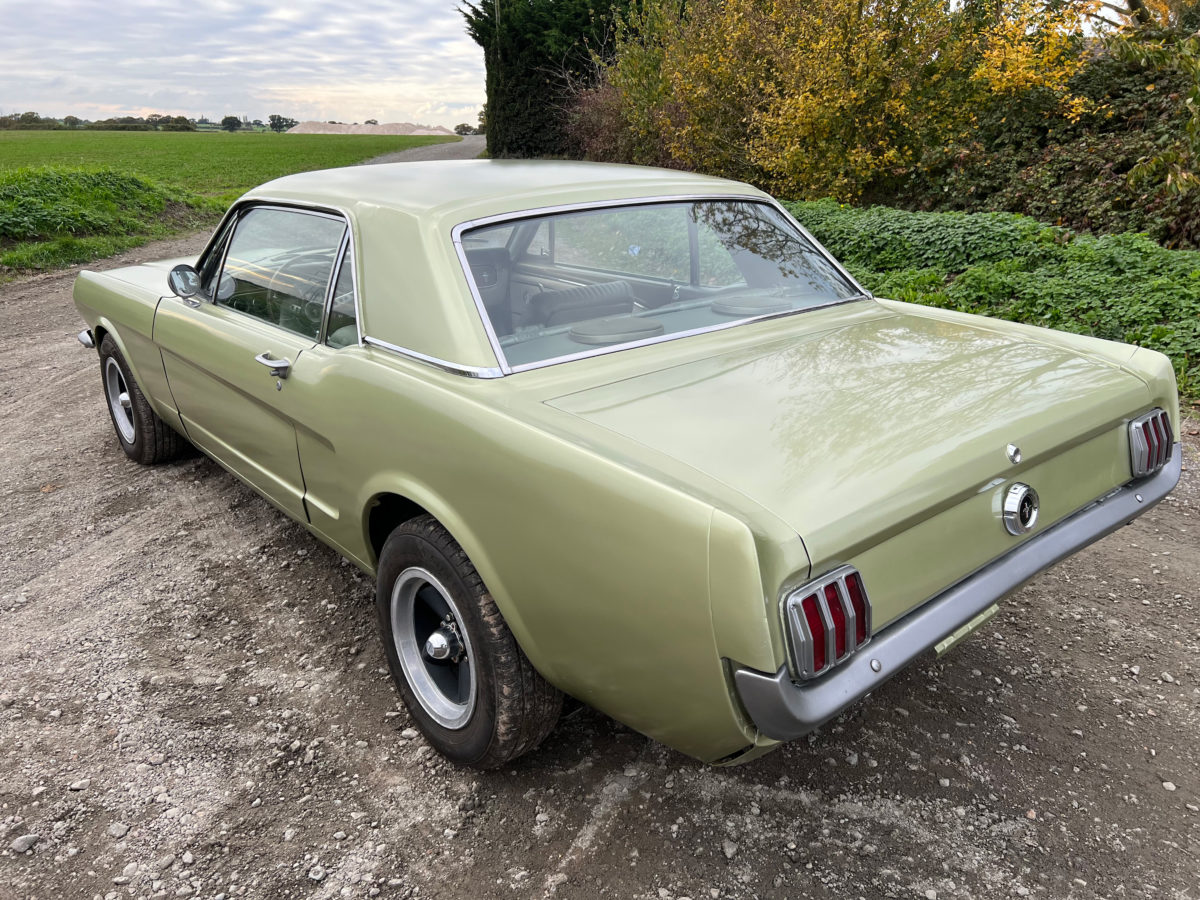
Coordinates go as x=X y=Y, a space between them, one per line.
x=72 y=121
x=534 y=51
x=464 y=129
x=371 y=122
x=279 y=123
x=231 y=123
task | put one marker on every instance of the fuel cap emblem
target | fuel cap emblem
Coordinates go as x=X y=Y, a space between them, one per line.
x=1020 y=509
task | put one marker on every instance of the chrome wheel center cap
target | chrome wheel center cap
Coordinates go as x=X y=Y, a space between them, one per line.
x=443 y=644
x=123 y=399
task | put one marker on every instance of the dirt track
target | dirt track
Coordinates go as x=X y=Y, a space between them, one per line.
x=193 y=703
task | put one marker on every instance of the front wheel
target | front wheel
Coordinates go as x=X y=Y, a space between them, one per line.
x=458 y=668
x=143 y=436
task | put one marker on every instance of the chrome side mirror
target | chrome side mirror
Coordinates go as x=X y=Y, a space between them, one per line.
x=184 y=281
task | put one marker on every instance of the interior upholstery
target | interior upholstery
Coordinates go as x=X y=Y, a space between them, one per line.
x=576 y=304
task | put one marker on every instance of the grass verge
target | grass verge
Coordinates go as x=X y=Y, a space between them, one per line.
x=1123 y=287
x=51 y=217
x=71 y=197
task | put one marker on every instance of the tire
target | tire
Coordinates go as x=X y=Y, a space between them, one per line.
x=144 y=437
x=483 y=704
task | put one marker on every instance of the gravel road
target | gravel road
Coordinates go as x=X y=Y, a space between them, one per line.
x=468 y=148
x=193 y=703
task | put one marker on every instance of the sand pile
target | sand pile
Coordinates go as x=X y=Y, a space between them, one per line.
x=385 y=128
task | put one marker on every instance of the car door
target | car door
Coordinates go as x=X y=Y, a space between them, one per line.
x=228 y=357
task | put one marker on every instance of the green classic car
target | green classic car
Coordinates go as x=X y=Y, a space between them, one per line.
x=624 y=434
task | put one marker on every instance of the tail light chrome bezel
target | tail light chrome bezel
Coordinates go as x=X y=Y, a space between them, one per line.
x=807 y=662
x=1151 y=440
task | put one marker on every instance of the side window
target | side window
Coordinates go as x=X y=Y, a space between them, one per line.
x=650 y=241
x=342 y=330
x=278 y=267
x=541 y=247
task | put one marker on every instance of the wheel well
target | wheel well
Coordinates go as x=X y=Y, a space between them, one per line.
x=98 y=334
x=387 y=512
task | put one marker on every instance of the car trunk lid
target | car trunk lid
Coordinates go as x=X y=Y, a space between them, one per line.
x=860 y=435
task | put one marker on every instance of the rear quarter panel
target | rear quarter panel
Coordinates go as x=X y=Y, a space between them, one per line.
x=601 y=571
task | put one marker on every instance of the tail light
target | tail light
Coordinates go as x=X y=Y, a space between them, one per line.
x=827 y=621
x=1150 y=441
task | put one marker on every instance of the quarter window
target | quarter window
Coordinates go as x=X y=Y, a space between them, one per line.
x=342 y=330
x=279 y=266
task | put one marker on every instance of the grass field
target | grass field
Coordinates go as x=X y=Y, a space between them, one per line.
x=72 y=196
x=210 y=165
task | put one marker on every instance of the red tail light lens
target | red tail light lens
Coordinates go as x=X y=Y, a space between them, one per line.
x=834 y=602
x=827 y=621
x=817 y=629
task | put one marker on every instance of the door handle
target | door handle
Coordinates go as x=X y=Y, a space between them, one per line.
x=279 y=367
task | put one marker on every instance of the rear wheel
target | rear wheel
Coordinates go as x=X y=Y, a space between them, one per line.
x=143 y=436
x=458 y=668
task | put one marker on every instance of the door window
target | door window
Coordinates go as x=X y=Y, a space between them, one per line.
x=279 y=266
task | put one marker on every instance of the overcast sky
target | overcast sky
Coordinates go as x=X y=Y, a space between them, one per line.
x=391 y=60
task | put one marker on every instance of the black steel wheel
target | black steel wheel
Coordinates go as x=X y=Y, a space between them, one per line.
x=143 y=436
x=470 y=689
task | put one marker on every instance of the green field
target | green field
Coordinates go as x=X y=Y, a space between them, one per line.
x=72 y=196
x=212 y=165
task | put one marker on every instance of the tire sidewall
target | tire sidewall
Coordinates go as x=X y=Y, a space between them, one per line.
x=469 y=744
x=110 y=350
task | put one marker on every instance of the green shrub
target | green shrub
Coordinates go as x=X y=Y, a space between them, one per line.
x=1122 y=287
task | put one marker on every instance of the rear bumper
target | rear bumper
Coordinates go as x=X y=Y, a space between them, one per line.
x=784 y=710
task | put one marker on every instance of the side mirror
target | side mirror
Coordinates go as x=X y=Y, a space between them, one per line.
x=184 y=281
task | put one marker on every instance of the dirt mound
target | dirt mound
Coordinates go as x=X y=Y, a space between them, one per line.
x=385 y=128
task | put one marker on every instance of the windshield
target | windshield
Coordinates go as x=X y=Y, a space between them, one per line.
x=559 y=285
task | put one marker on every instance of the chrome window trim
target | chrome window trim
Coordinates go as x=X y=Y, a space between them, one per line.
x=345 y=255
x=445 y=365
x=502 y=360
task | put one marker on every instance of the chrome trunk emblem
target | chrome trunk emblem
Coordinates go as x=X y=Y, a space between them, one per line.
x=1020 y=509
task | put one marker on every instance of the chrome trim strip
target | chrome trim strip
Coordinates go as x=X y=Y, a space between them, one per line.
x=453 y=368
x=784 y=710
x=843 y=592
x=765 y=199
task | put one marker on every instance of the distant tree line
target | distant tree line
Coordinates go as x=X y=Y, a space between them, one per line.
x=32 y=121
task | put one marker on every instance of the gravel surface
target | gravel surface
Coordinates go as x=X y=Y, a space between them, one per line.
x=193 y=703
x=468 y=148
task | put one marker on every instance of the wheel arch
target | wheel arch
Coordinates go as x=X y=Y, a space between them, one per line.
x=389 y=506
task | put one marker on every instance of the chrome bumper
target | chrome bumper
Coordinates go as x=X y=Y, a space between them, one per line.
x=784 y=710
x=85 y=338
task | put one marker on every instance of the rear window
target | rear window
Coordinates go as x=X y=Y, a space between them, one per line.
x=581 y=282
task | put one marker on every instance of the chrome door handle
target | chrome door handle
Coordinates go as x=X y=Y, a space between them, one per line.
x=279 y=367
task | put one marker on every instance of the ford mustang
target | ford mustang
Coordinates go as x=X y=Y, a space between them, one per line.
x=623 y=434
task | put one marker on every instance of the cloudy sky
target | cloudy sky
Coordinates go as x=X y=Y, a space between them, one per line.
x=391 y=60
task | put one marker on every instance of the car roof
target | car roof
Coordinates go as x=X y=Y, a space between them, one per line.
x=413 y=289
x=481 y=187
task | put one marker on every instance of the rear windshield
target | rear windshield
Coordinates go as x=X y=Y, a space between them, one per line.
x=580 y=282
